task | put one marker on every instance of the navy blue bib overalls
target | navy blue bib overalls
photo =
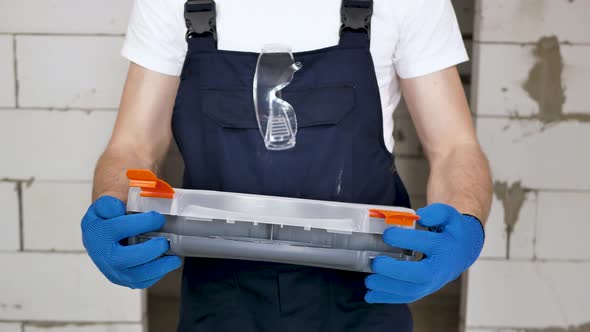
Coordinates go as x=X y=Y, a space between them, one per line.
x=340 y=155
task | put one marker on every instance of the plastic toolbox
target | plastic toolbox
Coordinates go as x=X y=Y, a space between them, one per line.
x=266 y=228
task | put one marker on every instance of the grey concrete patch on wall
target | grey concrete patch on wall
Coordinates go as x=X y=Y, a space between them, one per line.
x=545 y=85
x=512 y=198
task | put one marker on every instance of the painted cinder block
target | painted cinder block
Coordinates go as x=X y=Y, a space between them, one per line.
x=530 y=295
x=53 y=145
x=51 y=215
x=550 y=86
x=7 y=75
x=10 y=234
x=11 y=327
x=563 y=226
x=32 y=327
x=70 y=72
x=64 y=16
x=52 y=287
x=528 y=20
x=540 y=157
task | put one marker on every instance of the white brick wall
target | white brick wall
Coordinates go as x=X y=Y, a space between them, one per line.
x=57 y=110
x=521 y=150
x=563 y=226
x=83 y=328
x=51 y=215
x=500 y=92
x=524 y=20
x=53 y=145
x=7 y=81
x=528 y=294
x=10 y=327
x=63 y=288
x=88 y=71
x=64 y=16
x=528 y=54
x=10 y=234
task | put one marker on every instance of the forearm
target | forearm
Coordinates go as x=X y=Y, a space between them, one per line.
x=462 y=178
x=142 y=132
x=110 y=174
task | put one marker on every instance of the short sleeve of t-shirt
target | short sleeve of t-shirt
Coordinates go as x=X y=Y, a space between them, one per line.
x=429 y=39
x=155 y=36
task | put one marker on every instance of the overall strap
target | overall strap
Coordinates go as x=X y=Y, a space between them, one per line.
x=201 y=22
x=355 y=30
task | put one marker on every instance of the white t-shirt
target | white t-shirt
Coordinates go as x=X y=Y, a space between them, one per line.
x=409 y=38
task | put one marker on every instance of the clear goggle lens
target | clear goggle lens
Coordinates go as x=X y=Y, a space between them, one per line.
x=276 y=118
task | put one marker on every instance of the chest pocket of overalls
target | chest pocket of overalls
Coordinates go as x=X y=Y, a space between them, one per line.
x=318 y=167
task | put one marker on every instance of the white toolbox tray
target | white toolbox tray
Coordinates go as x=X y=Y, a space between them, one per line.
x=214 y=224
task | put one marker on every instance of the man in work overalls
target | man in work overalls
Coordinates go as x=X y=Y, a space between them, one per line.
x=357 y=57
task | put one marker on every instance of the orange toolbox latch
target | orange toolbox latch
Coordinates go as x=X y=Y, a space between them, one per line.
x=149 y=184
x=395 y=218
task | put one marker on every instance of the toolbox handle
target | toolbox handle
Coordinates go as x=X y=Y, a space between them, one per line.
x=149 y=183
x=395 y=218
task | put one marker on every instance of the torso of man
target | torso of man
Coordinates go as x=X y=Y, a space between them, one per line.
x=409 y=38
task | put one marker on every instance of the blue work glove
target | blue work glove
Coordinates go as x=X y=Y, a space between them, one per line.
x=451 y=246
x=136 y=266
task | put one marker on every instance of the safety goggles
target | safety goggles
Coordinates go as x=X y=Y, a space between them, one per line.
x=276 y=118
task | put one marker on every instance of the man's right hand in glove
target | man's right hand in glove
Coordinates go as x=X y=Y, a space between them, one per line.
x=135 y=266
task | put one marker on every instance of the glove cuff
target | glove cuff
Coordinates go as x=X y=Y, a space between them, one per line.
x=478 y=245
x=483 y=229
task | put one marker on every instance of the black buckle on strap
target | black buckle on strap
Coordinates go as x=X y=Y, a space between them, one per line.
x=200 y=17
x=356 y=15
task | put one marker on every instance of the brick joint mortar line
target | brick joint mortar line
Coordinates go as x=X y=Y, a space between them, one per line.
x=18 y=187
x=30 y=181
x=534 y=260
x=529 y=43
x=54 y=251
x=33 y=323
x=61 y=34
x=57 y=109
x=509 y=117
x=16 y=84
x=21 y=226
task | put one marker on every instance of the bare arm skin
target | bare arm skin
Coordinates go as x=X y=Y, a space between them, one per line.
x=459 y=171
x=142 y=132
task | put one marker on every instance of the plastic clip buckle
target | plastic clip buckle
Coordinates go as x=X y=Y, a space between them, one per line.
x=356 y=15
x=200 y=17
